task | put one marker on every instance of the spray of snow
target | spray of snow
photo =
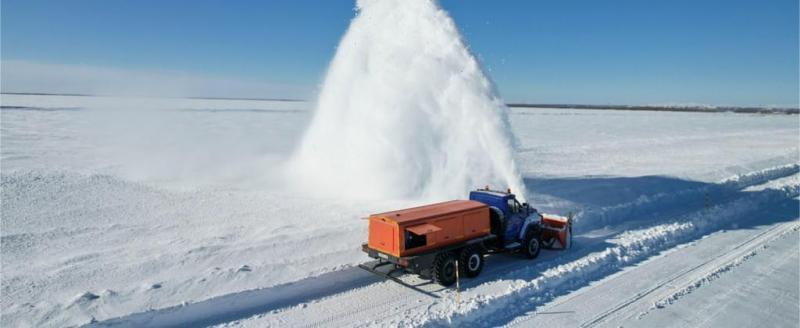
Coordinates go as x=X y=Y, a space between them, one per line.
x=405 y=111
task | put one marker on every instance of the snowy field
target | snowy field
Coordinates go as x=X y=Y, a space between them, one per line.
x=177 y=212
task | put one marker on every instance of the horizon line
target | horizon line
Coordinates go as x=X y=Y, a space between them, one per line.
x=675 y=107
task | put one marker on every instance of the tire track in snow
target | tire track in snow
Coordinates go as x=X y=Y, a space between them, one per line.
x=691 y=278
x=712 y=275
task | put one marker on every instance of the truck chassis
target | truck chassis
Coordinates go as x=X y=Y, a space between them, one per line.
x=421 y=263
x=425 y=264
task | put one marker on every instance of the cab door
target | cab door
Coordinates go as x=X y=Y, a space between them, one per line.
x=516 y=215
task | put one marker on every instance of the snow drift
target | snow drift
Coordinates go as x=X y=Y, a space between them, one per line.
x=405 y=111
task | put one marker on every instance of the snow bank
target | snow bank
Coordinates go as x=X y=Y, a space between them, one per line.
x=644 y=206
x=405 y=111
x=630 y=247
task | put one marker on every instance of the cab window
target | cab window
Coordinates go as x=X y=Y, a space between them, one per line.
x=513 y=206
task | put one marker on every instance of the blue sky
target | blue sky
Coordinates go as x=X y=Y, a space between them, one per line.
x=623 y=51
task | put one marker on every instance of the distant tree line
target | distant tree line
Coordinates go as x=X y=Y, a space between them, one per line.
x=707 y=109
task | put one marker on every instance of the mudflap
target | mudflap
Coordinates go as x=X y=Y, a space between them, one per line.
x=394 y=272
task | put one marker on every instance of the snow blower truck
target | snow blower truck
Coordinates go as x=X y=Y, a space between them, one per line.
x=442 y=241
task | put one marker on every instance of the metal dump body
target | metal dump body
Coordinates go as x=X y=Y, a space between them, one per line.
x=419 y=229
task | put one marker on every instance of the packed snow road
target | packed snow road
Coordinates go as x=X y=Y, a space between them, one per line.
x=174 y=212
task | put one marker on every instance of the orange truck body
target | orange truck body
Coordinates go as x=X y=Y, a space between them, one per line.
x=419 y=229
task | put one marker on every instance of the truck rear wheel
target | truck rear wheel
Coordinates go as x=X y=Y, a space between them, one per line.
x=471 y=262
x=444 y=268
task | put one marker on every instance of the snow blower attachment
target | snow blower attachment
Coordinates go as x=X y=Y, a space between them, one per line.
x=556 y=231
x=429 y=240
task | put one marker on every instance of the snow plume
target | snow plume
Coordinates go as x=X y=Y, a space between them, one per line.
x=405 y=112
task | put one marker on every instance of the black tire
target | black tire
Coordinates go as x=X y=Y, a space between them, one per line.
x=470 y=263
x=444 y=269
x=532 y=245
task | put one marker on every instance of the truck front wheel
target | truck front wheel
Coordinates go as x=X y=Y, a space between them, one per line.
x=444 y=268
x=532 y=245
x=471 y=262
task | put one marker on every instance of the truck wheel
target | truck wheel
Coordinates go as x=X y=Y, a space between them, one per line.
x=444 y=269
x=471 y=262
x=532 y=245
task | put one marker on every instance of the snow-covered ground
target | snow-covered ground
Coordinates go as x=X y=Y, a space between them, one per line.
x=175 y=212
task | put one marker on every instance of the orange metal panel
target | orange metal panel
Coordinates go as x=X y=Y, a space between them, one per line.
x=475 y=223
x=451 y=229
x=421 y=213
x=554 y=220
x=383 y=236
x=424 y=229
x=555 y=226
x=455 y=222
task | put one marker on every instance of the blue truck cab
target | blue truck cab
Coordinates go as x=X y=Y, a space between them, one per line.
x=512 y=221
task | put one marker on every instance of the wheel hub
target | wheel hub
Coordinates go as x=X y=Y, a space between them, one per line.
x=533 y=246
x=474 y=262
x=448 y=269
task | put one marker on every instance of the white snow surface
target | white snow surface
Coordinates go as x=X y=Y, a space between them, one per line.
x=405 y=112
x=176 y=213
